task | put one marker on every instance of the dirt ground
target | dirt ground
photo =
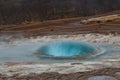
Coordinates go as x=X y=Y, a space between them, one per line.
x=64 y=26
x=73 y=76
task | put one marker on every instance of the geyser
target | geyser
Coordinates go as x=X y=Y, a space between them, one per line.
x=67 y=48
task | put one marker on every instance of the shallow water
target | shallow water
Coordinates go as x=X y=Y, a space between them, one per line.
x=66 y=48
x=24 y=52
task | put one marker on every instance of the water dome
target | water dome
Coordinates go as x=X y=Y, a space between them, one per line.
x=66 y=48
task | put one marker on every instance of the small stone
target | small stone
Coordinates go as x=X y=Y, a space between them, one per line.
x=117 y=74
x=102 y=78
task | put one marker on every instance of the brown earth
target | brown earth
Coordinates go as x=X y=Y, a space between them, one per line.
x=63 y=26
x=73 y=76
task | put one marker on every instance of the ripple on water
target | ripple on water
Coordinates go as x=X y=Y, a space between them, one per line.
x=67 y=48
x=25 y=52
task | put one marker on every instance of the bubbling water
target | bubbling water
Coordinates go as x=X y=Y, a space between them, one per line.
x=67 y=49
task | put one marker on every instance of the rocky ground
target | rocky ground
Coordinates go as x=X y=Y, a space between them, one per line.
x=102 y=74
x=89 y=37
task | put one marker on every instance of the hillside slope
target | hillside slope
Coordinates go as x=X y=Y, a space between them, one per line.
x=25 y=11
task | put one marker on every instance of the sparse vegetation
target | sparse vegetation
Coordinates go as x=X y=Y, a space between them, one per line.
x=27 y=11
x=103 y=19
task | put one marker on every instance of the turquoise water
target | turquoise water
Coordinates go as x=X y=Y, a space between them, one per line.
x=25 y=52
x=66 y=48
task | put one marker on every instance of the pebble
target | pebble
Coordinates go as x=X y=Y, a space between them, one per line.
x=102 y=78
x=117 y=74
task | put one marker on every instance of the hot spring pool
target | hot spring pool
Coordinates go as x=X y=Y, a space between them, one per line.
x=58 y=51
x=68 y=49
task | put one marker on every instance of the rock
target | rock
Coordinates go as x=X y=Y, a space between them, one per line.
x=117 y=74
x=102 y=78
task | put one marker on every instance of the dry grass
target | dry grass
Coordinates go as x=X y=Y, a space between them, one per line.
x=64 y=26
x=103 y=19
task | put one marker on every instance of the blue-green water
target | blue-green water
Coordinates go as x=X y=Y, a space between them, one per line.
x=66 y=49
x=25 y=52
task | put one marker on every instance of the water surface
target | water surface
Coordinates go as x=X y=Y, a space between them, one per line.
x=24 y=52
